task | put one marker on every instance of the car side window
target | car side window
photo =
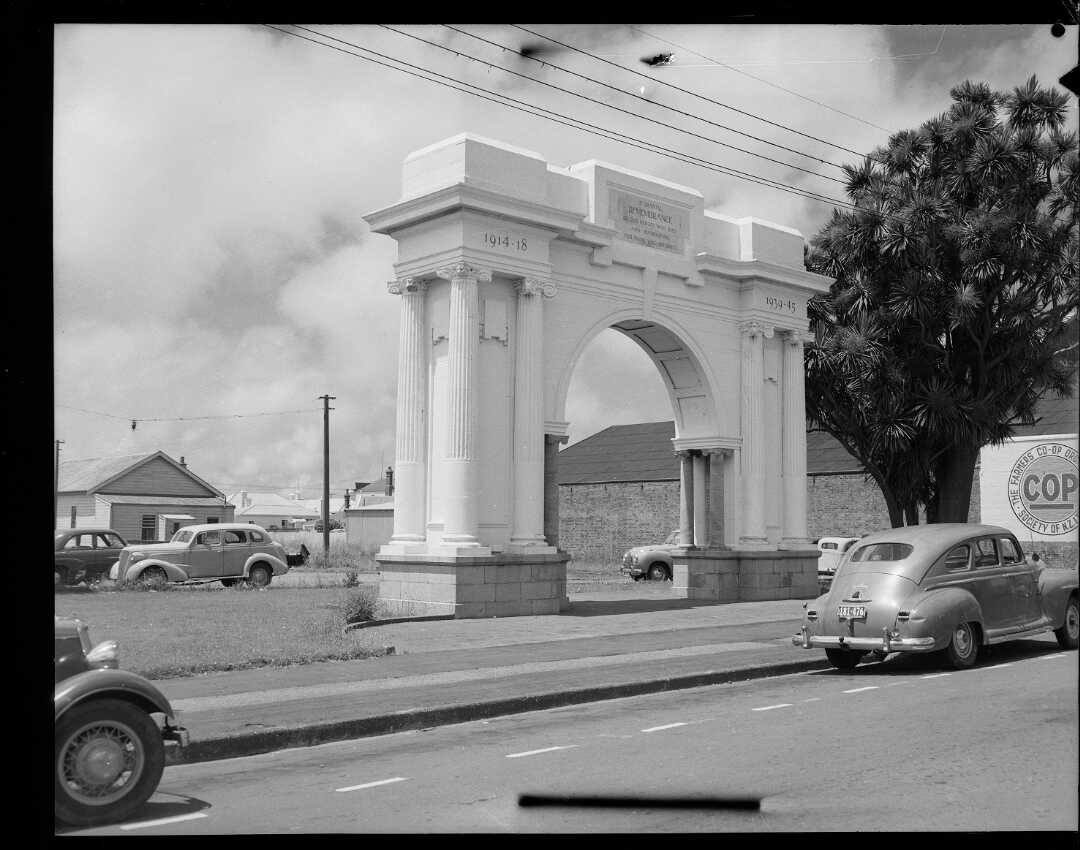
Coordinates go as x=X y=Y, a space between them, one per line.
x=828 y=545
x=232 y=536
x=257 y=537
x=79 y=541
x=1010 y=554
x=986 y=552
x=208 y=538
x=957 y=559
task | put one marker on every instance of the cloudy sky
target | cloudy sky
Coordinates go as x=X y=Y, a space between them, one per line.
x=213 y=272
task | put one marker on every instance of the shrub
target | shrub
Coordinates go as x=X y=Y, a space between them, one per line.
x=352 y=578
x=360 y=604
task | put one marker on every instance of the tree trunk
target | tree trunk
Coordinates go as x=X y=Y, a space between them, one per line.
x=896 y=510
x=954 y=474
x=911 y=513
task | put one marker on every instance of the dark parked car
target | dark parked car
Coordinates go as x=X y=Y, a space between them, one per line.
x=84 y=554
x=225 y=552
x=111 y=729
x=949 y=587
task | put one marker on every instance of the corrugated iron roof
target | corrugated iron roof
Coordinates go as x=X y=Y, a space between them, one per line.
x=206 y=501
x=86 y=474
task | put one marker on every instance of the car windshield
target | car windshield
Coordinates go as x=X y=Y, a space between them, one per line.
x=182 y=536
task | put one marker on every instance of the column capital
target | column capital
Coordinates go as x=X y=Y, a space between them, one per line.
x=535 y=286
x=463 y=271
x=796 y=337
x=753 y=328
x=406 y=285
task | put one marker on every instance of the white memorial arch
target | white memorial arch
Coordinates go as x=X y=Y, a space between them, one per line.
x=507 y=268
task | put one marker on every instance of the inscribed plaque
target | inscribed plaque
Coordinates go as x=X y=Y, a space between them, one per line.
x=648 y=222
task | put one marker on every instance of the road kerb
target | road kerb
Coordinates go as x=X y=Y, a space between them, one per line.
x=311 y=734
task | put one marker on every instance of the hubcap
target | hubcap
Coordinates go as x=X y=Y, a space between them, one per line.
x=962 y=640
x=1072 y=620
x=100 y=763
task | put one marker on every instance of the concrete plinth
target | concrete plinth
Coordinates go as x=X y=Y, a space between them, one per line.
x=730 y=575
x=497 y=585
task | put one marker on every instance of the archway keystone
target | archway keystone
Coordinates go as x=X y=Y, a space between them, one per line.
x=508 y=267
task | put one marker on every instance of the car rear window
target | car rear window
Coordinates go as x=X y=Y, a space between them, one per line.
x=881 y=552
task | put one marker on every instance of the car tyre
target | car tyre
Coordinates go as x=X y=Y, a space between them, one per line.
x=1068 y=636
x=59 y=576
x=259 y=576
x=153 y=578
x=657 y=572
x=109 y=757
x=843 y=659
x=963 y=648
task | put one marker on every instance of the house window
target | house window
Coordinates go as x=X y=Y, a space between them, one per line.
x=149 y=527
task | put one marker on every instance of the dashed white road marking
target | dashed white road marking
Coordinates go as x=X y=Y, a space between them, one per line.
x=859 y=690
x=812 y=699
x=997 y=666
x=372 y=784
x=896 y=684
x=665 y=726
x=771 y=707
x=537 y=752
x=935 y=675
x=163 y=821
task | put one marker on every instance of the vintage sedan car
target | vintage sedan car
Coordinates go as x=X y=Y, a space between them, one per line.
x=111 y=726
x=225 y=552
x=84 y=554
x=832 y=551
x=948 y=587
x=651 y=562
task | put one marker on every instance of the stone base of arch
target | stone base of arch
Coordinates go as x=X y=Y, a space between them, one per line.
x=496 y=585
x=731 y=575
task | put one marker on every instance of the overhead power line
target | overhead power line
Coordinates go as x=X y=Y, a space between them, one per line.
x=559 y=118
x=633 y=95
x=134 y=420
x=687 y=91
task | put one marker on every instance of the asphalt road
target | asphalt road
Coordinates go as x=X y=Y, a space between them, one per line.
x=902 y=745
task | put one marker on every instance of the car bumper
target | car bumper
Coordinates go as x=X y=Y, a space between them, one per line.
x=886 y=643
x=632 y=571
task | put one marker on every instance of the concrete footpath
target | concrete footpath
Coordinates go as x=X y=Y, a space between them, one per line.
x=610 y=643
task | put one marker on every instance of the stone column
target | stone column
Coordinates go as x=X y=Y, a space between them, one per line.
x=410 y=497
x=459 y=463
x=794 y=442
x=529 y=443
x=752 y=427
x=701 y=514
x=686 y=499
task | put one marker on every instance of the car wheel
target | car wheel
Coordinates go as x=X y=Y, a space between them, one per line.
x=657 y=572
x=843 y=659
x=109 y=760
x=259 y=576
x=59 y=576
x=153 y=578
x=1068 y=636
x=963 y=646
x=228 y=582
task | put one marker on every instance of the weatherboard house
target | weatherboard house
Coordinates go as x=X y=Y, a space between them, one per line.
x=508 y=267
x=142 y=497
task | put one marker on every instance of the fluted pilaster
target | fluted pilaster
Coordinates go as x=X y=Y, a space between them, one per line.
x=794 y=441
x=752 y=427
x=528 y=527
x=411 y=426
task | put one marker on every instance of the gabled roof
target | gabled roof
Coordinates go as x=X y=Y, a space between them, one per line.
x=271 y=504
x=92 y=474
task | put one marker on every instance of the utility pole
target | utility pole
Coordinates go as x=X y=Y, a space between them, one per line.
x=56 y=483
x=326 y=475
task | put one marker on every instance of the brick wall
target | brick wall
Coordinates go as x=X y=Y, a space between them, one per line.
x=599 y=522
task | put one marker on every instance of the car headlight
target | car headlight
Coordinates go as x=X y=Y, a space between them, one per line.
x=136 y=557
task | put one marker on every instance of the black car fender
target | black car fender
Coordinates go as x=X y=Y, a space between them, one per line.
x=109 y=684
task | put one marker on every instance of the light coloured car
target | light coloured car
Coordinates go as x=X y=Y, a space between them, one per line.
x=832 y=551
x=947 y=587
x=652 y=561
x=225 y=552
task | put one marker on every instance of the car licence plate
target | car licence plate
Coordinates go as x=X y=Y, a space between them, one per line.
x=851 y=612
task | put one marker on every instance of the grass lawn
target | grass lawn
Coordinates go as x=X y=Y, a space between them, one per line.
x=192 y=630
